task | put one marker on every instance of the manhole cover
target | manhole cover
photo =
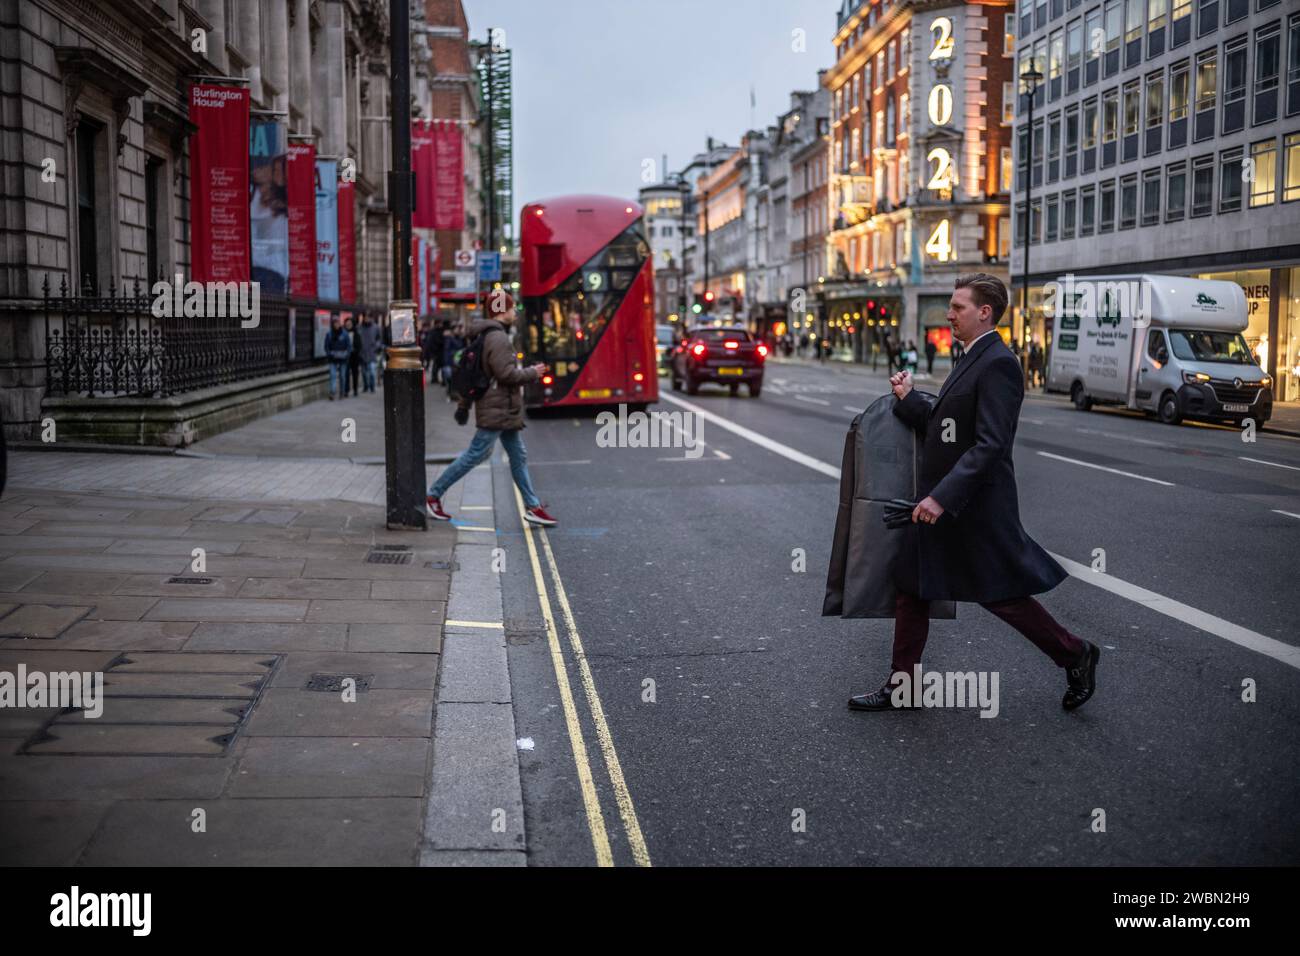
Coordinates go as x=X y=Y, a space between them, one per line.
x=442 y=565
x=388 y=557
x=390 y=547
x=190 y=580
x=333 y=683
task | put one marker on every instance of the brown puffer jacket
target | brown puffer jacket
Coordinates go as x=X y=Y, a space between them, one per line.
x=502 y=406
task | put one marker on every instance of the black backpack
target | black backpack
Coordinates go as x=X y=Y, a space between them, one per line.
x=469 y=379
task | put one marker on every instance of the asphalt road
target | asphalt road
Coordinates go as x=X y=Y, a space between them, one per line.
x=682 y=572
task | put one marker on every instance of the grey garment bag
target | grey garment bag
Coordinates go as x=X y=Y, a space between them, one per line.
x=880 y=467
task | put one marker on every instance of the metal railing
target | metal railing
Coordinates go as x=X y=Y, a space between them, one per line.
x=115 y=346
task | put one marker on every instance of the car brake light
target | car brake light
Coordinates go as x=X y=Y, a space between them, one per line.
x=762 y=350
x=698 y=349
x=730 y=344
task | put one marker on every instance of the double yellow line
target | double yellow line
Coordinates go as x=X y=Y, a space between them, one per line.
x=622 y=796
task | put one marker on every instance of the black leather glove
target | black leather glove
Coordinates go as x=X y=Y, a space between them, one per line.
x=898 y=513
x=462 y=414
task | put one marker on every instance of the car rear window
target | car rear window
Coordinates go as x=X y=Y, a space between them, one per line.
x=717 y=335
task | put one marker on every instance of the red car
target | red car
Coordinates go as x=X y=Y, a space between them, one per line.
x=727 y=356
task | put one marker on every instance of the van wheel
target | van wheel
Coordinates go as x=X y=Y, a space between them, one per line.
x=1169 y=413
x=1081 y=400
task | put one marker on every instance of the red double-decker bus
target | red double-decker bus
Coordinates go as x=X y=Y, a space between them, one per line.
x=588 y=297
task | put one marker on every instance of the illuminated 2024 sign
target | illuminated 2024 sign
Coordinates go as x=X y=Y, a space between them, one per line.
x=942 y=173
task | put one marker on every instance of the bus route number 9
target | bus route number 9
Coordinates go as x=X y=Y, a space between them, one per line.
x=594 y=281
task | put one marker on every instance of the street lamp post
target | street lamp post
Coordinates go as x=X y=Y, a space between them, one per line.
x=1031 y=79
x=403 y=375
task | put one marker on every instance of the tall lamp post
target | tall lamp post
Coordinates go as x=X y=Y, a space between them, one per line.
x=404 y=375
x=1031 y=79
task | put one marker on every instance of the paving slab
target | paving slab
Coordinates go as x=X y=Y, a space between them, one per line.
x=411 y=638
x=127 y=635
x=52 y=543
x=172 y=546
x=176 y=684
x=244 y=567
x=44 y=657
x=474 y=858
x=93 y=737
x=351 y=552
x=378 y=831
x=77 y=582
x=305 y=588
x=285 y=712
x=377 y=612
x=99 y=562
x=273 y=516
x=15 y=579
x=42 y=621
x=435 y=590
x=221 y=713
x=18 y=724
x=145 y=585
x=161 y=663
x=474 y=668
x=47 y=832
x=227 y=609
x=106 y=607
x=388 y=671
x=269 y=637
x=331 y=767
x=28 y=777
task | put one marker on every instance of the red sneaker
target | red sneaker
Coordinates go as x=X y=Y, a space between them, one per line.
x=538 y=516
x=434 y=506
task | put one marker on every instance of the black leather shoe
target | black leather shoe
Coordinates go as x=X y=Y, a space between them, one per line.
x=876 y=700
x=1082 y=678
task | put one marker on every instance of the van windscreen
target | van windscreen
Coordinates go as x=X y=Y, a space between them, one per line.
x=1202 y=346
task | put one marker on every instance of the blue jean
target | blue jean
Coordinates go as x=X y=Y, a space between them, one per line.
x=368 y=375
x=478 y=451
x=338 y=375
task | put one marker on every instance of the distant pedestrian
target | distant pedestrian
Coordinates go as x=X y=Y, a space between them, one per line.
x=1035 y=364
x=498 y=414
x=338 y=349
x=912 y=359
x=354 y=360
x=930 y=351
x=451 y=344
x=370 y=339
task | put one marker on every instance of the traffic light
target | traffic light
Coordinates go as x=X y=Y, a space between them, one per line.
x=708 y=301
x=698 y=305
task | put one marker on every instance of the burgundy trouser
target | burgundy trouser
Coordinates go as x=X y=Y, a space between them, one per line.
x=912 y=627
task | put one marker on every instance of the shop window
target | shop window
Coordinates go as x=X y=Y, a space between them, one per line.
x=1263 y=178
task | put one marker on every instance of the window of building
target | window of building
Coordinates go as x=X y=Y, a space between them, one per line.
x=1055 y=63
x=1151 y=197
x=1202 y=185
x=1263 y=168
x=1268 y=60
x=1175 y=191
x=1156 y=14
x=1181 y=23
x=1293 y=66
x=1106 y=218
x=1236 y=9
x=1053 y=223
x=1109 y=126
x=1019 y=238
x=1132 y=117
x=1090 y=125
x=1087 y=210
x=1134 y=19
x=1178 y=76
x=1073 y=54
x=889 y=61
x=1009 y=34
x=1004 y=238
x=891 y=130
x=1291 y=163
x=1069 y=210
x=1114 y=25
x=1230 y=180
x=1038 y=153
x=1008 y=103
x=1093 y=45
x=1234 y=85
x=1004 y=169
x=1206 y=87
x=88 y=199
x=1128 y=201
x=1207 y=16
x=1071 y=143
x=1155 y=100
x=155 y=229
x=1036 y=221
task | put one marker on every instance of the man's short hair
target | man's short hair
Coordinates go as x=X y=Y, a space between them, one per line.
x=986 y=290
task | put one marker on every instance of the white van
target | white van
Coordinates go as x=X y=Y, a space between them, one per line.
x=1169 y=345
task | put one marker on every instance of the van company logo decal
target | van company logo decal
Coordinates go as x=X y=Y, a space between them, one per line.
x=1203 y=299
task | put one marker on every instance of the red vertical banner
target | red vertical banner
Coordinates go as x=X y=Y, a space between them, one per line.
x=417 y=273
x=301 y=184
x=422 y=164
x=449 y=176
x=219 y=184
x=347 y=242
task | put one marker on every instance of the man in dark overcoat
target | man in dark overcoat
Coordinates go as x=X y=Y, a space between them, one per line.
x=965 y=542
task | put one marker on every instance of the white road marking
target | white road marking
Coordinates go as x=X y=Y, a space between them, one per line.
x=489 y=625
x=1234 y=633
x=814 y=401
x=1113 y=471
x=761 y=440
x=1289 y=514
x=1261 y=461
x=581 y=461
x=1251 y=640
x=475 y=507
x=851 y=408
x=722 y=454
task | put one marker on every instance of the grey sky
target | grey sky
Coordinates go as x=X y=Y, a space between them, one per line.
x=601 y=85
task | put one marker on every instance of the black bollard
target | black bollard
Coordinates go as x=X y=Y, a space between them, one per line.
x=404 y=426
